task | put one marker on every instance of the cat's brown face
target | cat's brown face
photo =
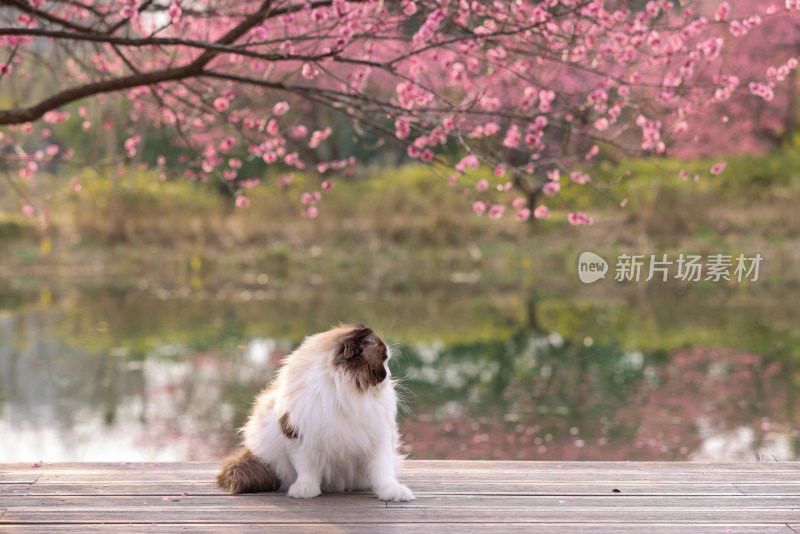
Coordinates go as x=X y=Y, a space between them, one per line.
x=362 y=355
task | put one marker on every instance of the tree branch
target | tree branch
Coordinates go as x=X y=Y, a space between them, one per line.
x=193 y=69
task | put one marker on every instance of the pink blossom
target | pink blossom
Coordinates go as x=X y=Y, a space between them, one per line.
x=307 y=198
x=259 y=33
x=519 y=203
x=410 y=8
x=719 y=167
x=285 y=180
x=221 y=104
x=318 y=136
x=479 y=207
x=299 y=131
x=499 y=172
x=174 y=12
x=762 y=90
x=554 y=175
x=227 y=144
x=242 y=201
x=524 y=214
x=722 y=12
x=309 y=71
x=496 y=211
x=546 y=98
x=310 y=213
x=482 y=185
x=427 y=155
x=327 y=185
x=580 y=178
x=292 y=159
x=491 y=128
x=402 y=128
x=234 y=163
x=27 y=210
x=470 y=161
x=541 y=212
x=579 y=218
x=280 y=108
x=551 y=188
x=512 y=137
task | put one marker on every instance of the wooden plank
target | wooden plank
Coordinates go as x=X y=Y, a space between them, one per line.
x=583 y=466
x=601 y=488
x=408 y=528
x=341 y=508
x=435 y=488
x=258 y=515
x=366 y=501
x=136 y=476
x=530 y=497
x=431 y=488
x=8 y=476
x=435 y=466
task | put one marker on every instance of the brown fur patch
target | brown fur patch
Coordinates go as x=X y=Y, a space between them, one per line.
x=287 y=428
x=243 y=472
x=361 y=354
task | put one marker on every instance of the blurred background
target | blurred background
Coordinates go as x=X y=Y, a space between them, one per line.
x=141 y=321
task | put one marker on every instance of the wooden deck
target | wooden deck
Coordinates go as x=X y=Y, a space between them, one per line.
x=474 y=497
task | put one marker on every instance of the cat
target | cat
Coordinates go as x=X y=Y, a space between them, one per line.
x=327 y=422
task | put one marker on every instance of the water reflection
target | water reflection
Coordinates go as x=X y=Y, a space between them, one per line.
x=116 y=374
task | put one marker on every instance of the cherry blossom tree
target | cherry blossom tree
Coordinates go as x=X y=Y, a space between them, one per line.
x=520 y=96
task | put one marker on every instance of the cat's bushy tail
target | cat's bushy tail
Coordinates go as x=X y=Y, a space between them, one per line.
x=243 y=472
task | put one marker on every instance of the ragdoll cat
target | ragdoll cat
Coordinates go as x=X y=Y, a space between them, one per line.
x=325 y=423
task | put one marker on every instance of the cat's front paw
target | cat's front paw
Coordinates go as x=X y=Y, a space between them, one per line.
x=395 y=492
x=303 y=490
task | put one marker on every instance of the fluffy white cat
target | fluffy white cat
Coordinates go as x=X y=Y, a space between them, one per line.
x=327 y=422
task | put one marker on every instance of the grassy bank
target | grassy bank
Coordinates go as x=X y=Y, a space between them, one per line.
x=401 y=229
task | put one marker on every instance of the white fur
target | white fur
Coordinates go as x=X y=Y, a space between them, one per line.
x=347 y=440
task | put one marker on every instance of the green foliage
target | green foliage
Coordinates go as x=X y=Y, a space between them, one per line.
x=14 y=227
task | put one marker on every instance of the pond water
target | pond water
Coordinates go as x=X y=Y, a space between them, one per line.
x=132 y=370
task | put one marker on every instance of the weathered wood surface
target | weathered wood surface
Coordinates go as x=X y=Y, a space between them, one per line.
x=513 y=497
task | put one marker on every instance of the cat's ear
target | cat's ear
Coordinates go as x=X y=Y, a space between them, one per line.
x=352 y=342
x=351 y=349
